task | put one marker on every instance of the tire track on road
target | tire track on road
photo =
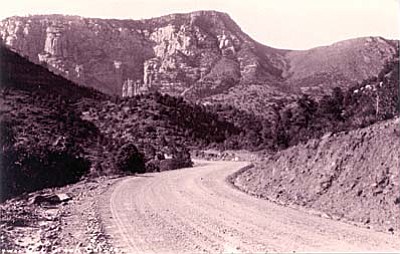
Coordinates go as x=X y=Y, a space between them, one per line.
x=195 y=210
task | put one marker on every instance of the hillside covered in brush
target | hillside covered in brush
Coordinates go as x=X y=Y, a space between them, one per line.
x=54 y=132
x=289 y=123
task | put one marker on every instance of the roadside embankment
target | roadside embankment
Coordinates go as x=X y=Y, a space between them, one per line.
x=350 y=176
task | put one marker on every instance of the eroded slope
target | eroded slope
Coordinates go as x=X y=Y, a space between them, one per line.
x=350 y=175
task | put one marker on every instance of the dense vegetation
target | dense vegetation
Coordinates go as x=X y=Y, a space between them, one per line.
x=373 y=100
x=160 y=126
x=43 y=139
x=27 y=168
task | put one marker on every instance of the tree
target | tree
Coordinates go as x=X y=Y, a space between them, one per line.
x=129 y=159
x=331 y=107
x=306 y=107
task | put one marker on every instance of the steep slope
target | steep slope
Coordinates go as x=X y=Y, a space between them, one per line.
x=315 y=72
x=350 y=175
x=53 y=131
x=339 y=64
x=202 y=55
x=44 y=142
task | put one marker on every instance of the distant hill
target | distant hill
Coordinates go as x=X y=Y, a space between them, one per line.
x=203 y=55
x=290 y=122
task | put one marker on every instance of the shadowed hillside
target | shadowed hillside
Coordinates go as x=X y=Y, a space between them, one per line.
x=54 y=132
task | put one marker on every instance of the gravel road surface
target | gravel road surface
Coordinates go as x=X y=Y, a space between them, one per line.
x=196 y=210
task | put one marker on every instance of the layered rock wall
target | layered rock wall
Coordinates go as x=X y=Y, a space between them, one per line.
x=170 y=52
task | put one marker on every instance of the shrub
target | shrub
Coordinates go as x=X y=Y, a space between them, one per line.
x=172 y=164
x=129 y=159
x=182 y=158
x=153 y=165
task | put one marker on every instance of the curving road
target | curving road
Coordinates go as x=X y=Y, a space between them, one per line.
x=195 y=210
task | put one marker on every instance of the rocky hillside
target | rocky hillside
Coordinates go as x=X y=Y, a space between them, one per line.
x=349 y=175
x=172 y=52
x=202 y=55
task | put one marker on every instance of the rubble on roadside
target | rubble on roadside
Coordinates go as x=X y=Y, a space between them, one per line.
x=57 y=220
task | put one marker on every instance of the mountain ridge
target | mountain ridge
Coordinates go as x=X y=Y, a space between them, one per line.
x=203 y=55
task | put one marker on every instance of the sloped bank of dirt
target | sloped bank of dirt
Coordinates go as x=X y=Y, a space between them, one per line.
x=350 y=176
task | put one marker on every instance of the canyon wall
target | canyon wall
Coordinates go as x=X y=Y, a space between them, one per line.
x=171 y=52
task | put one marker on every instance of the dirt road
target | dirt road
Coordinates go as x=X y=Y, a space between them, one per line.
x=196 y=210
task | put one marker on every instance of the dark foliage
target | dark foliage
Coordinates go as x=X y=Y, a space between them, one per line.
x=129 y=159
x=160 y=126
x=25 y=169
x=44 y=140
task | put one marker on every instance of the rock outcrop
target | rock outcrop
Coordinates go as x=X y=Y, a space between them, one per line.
x=169 y=52
x=131 y=88
x=185 y=54
x=56 y=42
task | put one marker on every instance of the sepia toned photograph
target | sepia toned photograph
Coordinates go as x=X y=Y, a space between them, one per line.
x=199 y=126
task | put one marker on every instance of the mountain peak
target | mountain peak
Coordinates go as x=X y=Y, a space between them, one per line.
x=172 y=51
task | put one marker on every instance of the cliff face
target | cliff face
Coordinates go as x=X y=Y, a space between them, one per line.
x=201 y=55
x=171 y=52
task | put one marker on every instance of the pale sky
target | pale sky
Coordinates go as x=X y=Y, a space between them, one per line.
x=290 y=24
